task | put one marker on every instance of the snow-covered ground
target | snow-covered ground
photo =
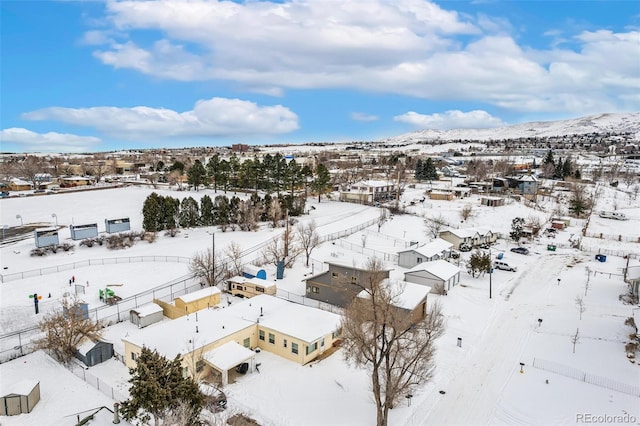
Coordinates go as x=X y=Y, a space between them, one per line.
x=478 y=382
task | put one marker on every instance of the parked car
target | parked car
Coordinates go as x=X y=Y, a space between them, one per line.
x=465 y=247
x=504 y=266
x=520 y=250
x=455 y=254
x=485 y=246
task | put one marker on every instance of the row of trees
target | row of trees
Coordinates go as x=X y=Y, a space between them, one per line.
x=274 y=174
x=166 y=212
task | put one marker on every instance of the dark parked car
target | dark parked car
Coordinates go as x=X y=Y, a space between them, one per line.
x=465 y=247
x=520 y=250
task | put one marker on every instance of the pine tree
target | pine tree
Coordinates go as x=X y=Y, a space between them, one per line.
x=517 y=225
x=549 y=158
x=566 y=167
x=206 y=211
x=170 y=213
x=158 y=387
x=322 y=181
x=151 y=213
x=196 y=175
x=430 y=173
x=189 y=214
x=419 y=173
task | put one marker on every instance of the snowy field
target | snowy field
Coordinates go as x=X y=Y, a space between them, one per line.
x=479 y=382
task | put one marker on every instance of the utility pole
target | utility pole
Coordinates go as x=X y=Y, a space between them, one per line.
x=490 y=272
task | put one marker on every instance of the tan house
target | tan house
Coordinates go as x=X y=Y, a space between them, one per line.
x=458 y=237
x=411 y=298
x=295 y=332
x=369 y=192
x=441 y=195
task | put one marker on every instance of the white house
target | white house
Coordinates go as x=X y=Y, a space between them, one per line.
x=434 y=250
x=440 y=275
x=368 y=191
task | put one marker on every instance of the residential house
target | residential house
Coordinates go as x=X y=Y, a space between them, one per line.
x=492 y=201
x=410 y=298
x=434 y=250
x=458 y=237
x=369 y=192
x=440 y=275
x=340 y=284
x=209 y=342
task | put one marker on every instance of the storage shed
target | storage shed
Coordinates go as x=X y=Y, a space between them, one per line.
x=19 y=398
x=46 y=237
x=440 y=275
x=145 y=315
x=117 y=225
x=80 y=232
x=92 y=353
x=253 y=271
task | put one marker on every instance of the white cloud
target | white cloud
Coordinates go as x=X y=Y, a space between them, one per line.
x=404 y=47
x=361 y=116
x=48 y=142
x=216 y=117
x=453 y=119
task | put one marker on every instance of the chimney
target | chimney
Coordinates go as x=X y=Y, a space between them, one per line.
x=197 y=329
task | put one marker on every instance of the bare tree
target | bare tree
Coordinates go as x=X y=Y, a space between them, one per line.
x=587 y=286
x=580 y=305
x=466 y=212
x=234 y=253
x=535 y=224
x=398 y=352
x=382 y=217
x=29 y=169
x=308 y=238
x=275 y=212
x=64 y=330
x=208 y=267
x=575 y=339
x=435 y=225
x=281 y=250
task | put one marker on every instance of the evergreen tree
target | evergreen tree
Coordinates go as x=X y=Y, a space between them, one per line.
x=189 y=214
x=196 y=175
x=577 y=174
x=151 y=213
x=557 y=173
x=549 y=158
x=158 y=387
x=430 y=173
x=213 y=171
x=419 y=173
x=517 y=225
x=221 y=210
x=177 y=165
x=566 y=167
x=206 y=211
x=322 y=182
x=170 y=213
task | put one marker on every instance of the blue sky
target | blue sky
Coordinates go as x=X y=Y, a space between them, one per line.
x=87 y=76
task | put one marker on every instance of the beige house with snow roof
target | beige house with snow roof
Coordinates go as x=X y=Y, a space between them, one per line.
x=211 y=341
x=434 y=250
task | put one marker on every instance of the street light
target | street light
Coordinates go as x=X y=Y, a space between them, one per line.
x=56 y=218
x=20 y=217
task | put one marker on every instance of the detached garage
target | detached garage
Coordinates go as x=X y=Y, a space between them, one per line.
x=19 y=398
x=440 y=275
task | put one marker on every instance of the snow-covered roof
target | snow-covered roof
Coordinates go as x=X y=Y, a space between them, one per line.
x=256 y=281
x=462 y=233
x=199 y=294
x=23 y=387
x=298 y=321
x=373 y=183
x=148 y=309
x=432 y=248
x=228 y=355
x=440 y=268
x=190 y=332
x=85 y=346
x=408 y=295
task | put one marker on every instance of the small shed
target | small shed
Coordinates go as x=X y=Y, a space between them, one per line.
x=117 y=225
x=46 y=237
x=201 y=299
x=145 y=315
x=92 y=353
x=492 y=201
x=80 y=232
x=441 y=195
x=558 y=224
x=19 y=398
x=253 y=271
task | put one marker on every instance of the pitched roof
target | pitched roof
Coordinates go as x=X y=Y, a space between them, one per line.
x=432 y=248
x=440 y=268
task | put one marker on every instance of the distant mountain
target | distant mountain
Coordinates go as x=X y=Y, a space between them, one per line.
x=601 y=123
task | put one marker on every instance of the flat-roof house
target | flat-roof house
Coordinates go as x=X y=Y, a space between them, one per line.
x=440 y=275
x=340 y=284
x=296 y=332
x=434 y=250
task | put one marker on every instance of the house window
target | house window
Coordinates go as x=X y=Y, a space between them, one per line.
x=315 y=290
x=354 y=280
x=419 y=260
x=261 y=335
x=312 y=348
x=272 y=338
x=294 y=348
x=335 y=334
x=260 y=289
x=247 y=342
x=334 y=276
x=133 y=356
x=239 y=287
x=322 y=343
x=284 y=343
x=199 y=366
